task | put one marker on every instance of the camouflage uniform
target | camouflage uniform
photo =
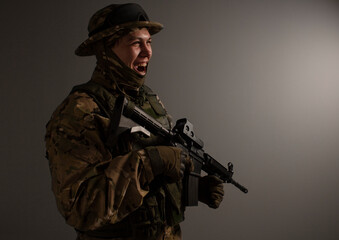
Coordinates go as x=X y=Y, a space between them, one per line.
x=97 y=188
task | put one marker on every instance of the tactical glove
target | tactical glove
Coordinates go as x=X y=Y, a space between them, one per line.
x=169 y=161
x=211 y=190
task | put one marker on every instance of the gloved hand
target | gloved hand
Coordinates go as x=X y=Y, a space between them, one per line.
x=186 y=163
x=211 y=190
x=169 y=161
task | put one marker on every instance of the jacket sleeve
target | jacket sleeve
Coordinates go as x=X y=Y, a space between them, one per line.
x=91 y=188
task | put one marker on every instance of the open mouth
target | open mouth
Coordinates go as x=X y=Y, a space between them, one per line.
x=141 y=68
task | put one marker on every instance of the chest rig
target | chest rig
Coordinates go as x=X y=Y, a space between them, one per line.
x=162 y=205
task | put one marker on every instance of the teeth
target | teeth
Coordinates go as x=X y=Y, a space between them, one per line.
x=141 y=67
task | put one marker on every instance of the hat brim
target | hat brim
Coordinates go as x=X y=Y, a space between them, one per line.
x=86 y=47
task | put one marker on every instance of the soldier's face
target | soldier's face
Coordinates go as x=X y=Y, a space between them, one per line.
x=135 y=50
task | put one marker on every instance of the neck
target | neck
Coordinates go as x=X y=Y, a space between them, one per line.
x=118 y=73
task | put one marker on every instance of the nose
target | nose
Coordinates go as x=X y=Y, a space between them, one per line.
x=146 y=50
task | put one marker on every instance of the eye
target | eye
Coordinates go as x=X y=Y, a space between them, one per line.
x=136 y=43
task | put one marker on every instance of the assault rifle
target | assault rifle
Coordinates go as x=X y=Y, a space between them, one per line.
x=183 y=136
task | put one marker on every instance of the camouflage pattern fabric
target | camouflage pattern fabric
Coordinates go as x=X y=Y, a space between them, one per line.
x=93 y=189
x=90 y=188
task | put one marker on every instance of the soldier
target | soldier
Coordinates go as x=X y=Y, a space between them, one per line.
x=126 y=186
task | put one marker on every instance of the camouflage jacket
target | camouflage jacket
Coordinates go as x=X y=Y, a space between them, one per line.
x=95 y=188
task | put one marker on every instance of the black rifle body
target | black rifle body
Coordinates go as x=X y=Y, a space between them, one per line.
x=183 y=136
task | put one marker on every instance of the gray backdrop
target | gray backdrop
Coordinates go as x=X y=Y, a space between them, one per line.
x=258 y=79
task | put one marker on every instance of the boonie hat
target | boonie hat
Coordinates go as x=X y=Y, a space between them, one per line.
x=114 y=18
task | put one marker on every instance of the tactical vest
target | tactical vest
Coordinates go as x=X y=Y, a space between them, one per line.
x=162 y=205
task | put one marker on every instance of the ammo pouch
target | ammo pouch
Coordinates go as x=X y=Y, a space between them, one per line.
x=148 y=222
